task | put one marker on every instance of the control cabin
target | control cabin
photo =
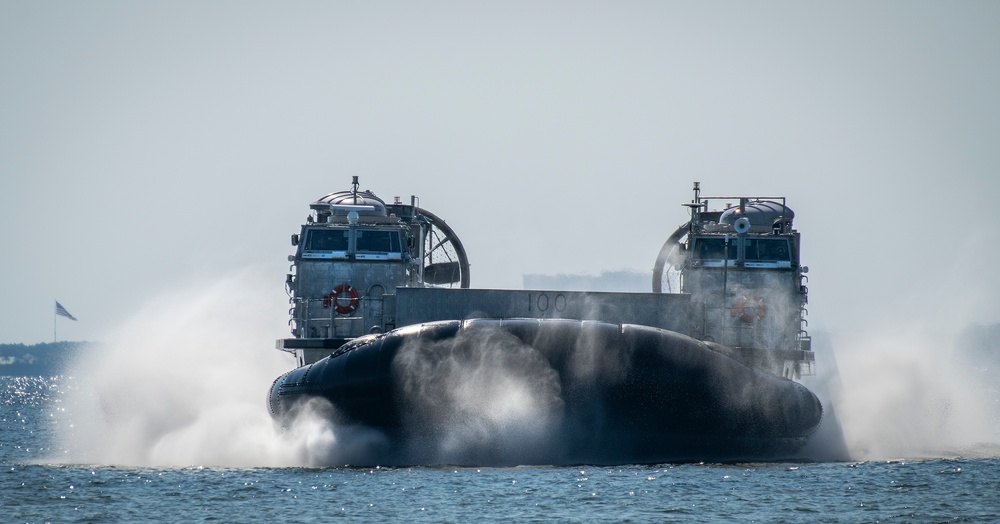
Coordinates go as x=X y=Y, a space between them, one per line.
x=351 y=255
x=740 y=265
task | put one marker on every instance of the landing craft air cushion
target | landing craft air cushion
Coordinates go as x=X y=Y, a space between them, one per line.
x=388 y=333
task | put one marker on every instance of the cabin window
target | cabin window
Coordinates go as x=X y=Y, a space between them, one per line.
x=767 y=250
x=326 y=240
x=369 y=241
x=714 y=249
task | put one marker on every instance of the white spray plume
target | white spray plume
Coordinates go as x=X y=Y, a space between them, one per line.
x=906 y=392
x=497 y=399
x=184 y=383
x=907 y=388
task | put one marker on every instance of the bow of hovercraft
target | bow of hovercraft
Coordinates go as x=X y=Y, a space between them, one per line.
x=564 y=391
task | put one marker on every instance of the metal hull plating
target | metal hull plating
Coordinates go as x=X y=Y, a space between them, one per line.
x=549 y=391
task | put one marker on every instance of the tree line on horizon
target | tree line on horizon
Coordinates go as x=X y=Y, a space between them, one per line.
x=46 y=358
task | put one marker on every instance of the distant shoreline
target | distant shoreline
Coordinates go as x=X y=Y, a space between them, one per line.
x=44 y=359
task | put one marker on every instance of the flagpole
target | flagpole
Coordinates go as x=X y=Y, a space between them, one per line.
x=54 y=338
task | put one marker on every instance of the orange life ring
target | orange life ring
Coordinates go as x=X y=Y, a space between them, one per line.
x=333 y=299
x=756 y=305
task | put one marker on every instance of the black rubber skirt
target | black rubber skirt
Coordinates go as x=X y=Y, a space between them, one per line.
x=545 y=391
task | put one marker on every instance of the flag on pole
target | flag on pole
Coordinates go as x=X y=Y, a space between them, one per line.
x=61 y=311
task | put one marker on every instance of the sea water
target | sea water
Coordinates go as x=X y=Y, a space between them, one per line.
x=38 y=483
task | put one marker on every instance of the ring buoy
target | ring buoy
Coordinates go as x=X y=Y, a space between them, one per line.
x=344 y=291
x=749 y=308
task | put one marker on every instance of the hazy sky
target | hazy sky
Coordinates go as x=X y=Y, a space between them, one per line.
x=149 y=146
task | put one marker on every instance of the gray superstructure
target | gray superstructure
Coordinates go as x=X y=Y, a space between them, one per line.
x=352 y=254
x=728 y=276
x=741 y=267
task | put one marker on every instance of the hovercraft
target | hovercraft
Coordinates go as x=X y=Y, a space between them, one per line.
x=392 y=343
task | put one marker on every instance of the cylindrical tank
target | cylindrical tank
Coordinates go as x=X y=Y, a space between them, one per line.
x=759 y=213
x=340 y=203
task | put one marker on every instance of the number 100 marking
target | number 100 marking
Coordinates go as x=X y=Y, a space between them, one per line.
x=542 y=302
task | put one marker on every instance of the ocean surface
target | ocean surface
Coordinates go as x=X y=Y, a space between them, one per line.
x=43 y=481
